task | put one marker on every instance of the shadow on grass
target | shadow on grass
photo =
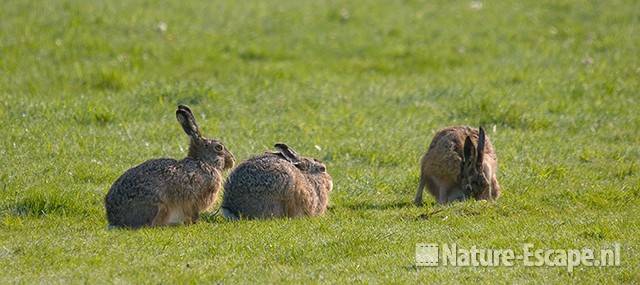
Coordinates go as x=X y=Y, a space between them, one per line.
x=378 y=206
x=212 y=217
x=430 y=214
x=39 y=206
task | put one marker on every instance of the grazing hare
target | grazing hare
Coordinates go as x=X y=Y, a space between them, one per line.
x=454 y=168
x=277 y=184
x=166 y=191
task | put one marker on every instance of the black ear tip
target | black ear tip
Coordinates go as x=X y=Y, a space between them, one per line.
x=183 y=115
x=184 y=108
x=281 y=145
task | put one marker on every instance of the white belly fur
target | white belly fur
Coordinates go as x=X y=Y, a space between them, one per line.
x=176 y=216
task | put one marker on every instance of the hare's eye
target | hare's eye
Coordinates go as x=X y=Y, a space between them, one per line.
x=218 y=147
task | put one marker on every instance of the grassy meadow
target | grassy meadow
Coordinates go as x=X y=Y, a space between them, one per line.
x=89 y=89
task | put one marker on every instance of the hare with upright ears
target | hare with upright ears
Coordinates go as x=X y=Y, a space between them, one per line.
x=166 y=191
x=460 y=163
x=277 y=184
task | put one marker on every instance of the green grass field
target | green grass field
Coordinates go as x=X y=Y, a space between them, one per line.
x=89 y=89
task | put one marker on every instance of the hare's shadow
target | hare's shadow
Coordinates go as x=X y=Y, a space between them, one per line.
x=216 y=216
x=378 y=206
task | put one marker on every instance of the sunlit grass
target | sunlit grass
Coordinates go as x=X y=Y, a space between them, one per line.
x=89 y=88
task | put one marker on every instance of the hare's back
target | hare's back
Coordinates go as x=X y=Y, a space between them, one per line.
x=258 y=187
x=262 y=174
x=444 y=157
x=457 y=135
x=133 y=199
x=142 y=182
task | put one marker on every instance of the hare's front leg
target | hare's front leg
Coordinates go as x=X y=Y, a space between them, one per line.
x=296 y=206
x=161 y=217
x=492 y=193
x=194 y=215
x=441 y=190
x=456 y=194
x=442 y=195
x=436 y=187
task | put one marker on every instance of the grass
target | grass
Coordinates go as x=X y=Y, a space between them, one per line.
x=88 y=89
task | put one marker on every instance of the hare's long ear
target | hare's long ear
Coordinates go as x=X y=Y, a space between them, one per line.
x=288 y=153
x=480 y=149
x=469 y=149
x=188 y=121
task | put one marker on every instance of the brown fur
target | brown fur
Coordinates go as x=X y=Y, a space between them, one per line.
x=444 y=173
x=277 y=185
x=166 y=191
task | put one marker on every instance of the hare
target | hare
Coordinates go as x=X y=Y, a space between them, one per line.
x=166 y=191
x=277 y=184
x=454 y=168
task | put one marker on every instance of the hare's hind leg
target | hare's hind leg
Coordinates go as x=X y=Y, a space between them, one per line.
x=437 y=189
x=140 y=214
x=423 y=181
x=495 y=188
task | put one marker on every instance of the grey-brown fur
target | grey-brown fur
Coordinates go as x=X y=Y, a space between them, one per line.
x=167 y=191
x=459 y=164
x=277 y=184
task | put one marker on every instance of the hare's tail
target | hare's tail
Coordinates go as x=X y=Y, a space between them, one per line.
x=230 y=214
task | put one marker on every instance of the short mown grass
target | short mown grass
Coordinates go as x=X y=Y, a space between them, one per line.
x=89 y=88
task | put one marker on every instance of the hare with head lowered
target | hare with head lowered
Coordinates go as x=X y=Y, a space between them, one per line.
x=166 y=191
x=277 y=184
x=459 y=164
